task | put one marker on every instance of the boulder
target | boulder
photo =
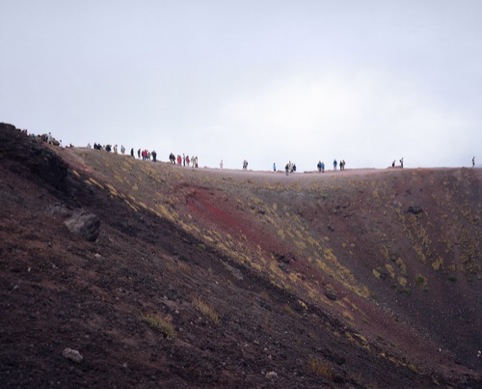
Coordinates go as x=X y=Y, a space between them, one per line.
x=59 y=210
x=415 y=209
x=271 y=375
x=72 y=355
x=84 y=224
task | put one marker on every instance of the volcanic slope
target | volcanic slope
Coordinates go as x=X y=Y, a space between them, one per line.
x=210 y=278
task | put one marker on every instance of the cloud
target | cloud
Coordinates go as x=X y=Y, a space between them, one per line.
x=366 y=117
x=300 y=82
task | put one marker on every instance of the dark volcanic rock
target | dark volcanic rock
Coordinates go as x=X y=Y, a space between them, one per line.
x=26 y=156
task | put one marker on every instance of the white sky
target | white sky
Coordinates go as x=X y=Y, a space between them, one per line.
x=368 y=81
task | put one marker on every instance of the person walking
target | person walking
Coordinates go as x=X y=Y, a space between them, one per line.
x=473 y=161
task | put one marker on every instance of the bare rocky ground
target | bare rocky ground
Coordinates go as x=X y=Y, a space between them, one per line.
x=203 y=278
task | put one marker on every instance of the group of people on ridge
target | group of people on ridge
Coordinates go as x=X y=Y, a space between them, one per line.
x=321 y=165
x=290 y=168
x=341 y=164
x=184 y=160
x=401 y=163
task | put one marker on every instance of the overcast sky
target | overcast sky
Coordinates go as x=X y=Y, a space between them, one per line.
x=368 y=81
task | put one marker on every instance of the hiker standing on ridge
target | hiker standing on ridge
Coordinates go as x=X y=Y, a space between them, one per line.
x=473 y=161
